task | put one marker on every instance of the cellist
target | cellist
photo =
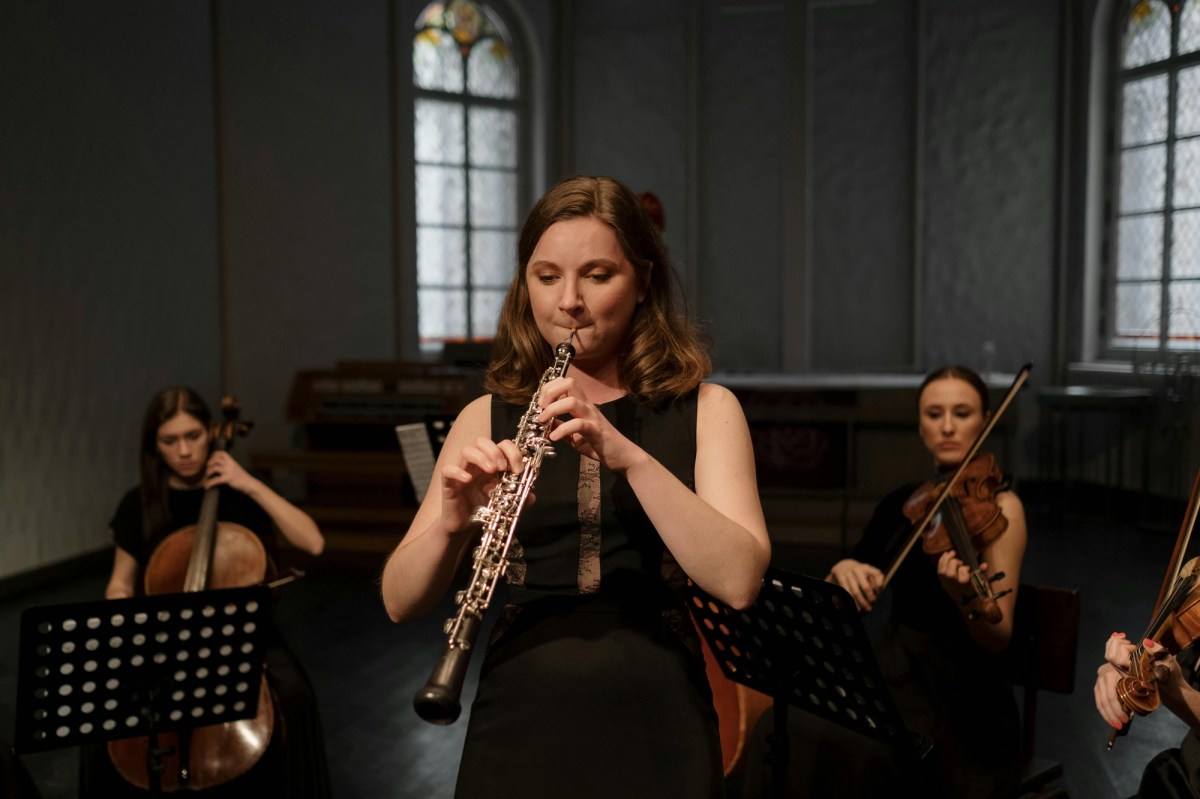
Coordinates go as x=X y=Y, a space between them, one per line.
x=939 y=656
x=176 y=467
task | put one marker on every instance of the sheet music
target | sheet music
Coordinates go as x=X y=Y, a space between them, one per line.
x=418 y=455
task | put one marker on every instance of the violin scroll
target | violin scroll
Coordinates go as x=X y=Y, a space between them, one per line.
x=231 y=426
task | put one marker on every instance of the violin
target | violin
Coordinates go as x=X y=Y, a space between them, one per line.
x=1175 y=624
x=969 y=519
x=207 y=555
x=1175 y=629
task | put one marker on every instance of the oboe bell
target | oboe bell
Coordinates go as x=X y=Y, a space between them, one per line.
x=438 y=702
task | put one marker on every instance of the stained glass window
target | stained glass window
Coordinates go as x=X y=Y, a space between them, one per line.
x=468 y=164
x=1154 y=279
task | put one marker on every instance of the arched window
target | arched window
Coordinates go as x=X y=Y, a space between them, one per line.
x=467 y=110
x=1153 y=258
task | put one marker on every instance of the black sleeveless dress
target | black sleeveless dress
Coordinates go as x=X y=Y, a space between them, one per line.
x=593 y=685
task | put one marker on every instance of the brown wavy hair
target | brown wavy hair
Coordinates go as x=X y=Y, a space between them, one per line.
x=664 y=357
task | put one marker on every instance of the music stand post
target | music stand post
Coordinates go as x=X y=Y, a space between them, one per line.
x=97 y=671
x=803 y=643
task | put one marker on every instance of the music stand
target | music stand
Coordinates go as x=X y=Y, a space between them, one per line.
x=803 y=643
x=122 y=668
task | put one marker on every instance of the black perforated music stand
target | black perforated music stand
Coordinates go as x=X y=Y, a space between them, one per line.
x=803 y=643
x=123 y=668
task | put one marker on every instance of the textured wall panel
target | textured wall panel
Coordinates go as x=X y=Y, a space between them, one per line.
x=861 y=177
x=742 y=141
x=107 y=262
x=310 y=196
x=991 y=93
x=630 y=103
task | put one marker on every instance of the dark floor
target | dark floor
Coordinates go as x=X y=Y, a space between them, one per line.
x=366 y=670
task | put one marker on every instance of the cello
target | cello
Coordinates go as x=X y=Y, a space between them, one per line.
x=737 y=706
x=207 y=555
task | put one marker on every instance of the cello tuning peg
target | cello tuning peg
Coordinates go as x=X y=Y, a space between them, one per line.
x=997 y=576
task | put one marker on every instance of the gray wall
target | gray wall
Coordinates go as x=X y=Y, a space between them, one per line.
x=309 y=215
x=849 y=186
x=107 y=285
x=926 y=183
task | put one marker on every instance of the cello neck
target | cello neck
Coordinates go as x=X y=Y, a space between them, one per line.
x=200 y=563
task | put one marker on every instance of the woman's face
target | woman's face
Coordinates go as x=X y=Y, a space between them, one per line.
x=183 y=444
x=579 y=279
x=951 y=416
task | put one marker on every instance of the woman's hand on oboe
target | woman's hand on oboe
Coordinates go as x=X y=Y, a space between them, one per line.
x=586 y=429
x=468 y=484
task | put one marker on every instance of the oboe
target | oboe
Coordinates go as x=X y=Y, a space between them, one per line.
x=438 y=702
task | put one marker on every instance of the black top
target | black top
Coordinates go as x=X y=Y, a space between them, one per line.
x=947 y=686
x=183 y=507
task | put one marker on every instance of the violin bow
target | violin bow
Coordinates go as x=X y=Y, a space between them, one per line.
x=1018 y=381
x=1181 y=543
x=1174 y=566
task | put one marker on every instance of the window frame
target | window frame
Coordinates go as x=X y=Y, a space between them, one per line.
x=523 y=107
x=1119 y=77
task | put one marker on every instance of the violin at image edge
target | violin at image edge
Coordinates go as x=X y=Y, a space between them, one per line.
x=1176 y=627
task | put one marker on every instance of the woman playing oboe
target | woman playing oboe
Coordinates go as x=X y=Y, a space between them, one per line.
x=592 y=683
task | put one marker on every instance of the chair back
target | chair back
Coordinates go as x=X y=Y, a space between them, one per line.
x=1041 y=657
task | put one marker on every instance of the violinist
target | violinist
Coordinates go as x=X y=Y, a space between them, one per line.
x=941 y=661
x=939 y=654
x=176 y=466
x=1173 y=773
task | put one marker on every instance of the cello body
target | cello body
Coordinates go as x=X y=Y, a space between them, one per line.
x=216 y=753
x=239 y=560
x=738 y=710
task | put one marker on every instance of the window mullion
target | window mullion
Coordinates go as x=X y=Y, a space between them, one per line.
x=1164 y=302
x=469 y=227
